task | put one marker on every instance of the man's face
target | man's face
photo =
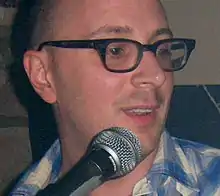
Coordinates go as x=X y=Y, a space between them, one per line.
x=90 y=98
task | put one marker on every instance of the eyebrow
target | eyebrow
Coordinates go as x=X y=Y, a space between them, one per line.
x=160 y=31
x=106 y=29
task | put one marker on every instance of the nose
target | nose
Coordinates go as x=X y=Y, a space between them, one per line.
x=148 y=72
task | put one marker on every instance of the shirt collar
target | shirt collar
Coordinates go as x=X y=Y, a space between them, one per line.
x=171 y=161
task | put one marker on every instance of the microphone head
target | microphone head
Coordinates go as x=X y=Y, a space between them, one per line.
x=123 y=146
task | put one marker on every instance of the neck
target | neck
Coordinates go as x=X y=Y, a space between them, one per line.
x=72 y=151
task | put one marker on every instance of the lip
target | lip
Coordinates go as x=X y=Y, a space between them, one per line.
x=139 y=119
x=153 y=107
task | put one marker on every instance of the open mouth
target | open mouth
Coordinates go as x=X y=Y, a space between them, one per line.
x=139 y=111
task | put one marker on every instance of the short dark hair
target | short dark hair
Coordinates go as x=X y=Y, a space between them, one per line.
x=28 y=30
x=32 y=24
x=42 y=14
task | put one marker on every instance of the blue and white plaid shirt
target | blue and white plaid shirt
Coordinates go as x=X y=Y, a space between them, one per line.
x=181 y=167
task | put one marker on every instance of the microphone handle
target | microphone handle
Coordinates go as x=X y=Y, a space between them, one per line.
x=85 y=176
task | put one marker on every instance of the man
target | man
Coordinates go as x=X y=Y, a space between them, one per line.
x=117 y=70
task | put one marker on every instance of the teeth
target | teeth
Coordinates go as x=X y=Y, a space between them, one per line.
x=140 y=111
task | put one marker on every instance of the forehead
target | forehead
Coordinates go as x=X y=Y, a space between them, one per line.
x=84 y=17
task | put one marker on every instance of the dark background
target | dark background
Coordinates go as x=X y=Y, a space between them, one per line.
x=9 y=3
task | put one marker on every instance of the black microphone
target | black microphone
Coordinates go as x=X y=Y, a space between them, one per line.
x=112 y=153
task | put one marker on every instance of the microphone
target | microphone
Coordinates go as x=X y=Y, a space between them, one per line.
x=112 y=153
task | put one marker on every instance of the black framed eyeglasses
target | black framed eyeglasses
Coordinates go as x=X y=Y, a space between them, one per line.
x=124 y=55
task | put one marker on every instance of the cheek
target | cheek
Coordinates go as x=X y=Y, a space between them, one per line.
x=88 y=91
x=170 y=81
x=168 y=87
x=93 y=105
x=97 y=92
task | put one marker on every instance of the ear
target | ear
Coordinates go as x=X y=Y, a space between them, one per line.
x=36 y=65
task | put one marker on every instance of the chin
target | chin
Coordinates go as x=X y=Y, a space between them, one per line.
x=150 y=140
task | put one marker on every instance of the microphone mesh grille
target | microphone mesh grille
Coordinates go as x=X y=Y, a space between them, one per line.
x=124 y=145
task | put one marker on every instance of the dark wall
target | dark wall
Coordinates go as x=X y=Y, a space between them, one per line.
x=195 y=115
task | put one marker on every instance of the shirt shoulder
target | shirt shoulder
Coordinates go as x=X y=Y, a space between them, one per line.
x=197 y=149
x=204 y=162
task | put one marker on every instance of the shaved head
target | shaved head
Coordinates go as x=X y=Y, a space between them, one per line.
x=45 y=18
x=42 y=16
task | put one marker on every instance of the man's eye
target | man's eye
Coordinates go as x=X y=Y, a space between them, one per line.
x=116 y=51
x=164 y=52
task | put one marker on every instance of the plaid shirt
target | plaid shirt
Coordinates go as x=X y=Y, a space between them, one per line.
x=181 y=167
